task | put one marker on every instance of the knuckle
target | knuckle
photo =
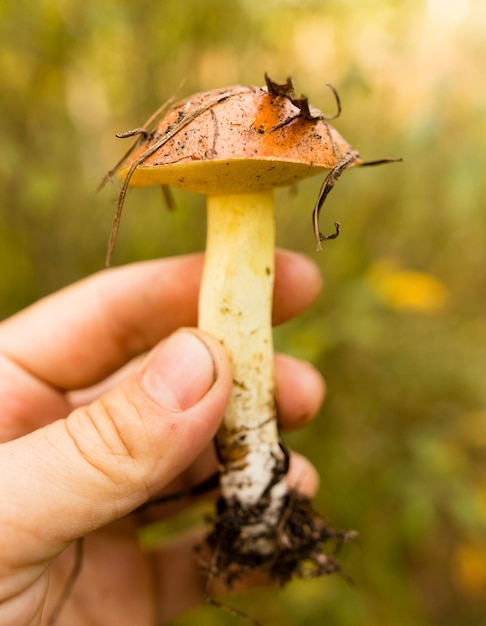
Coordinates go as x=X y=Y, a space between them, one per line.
x=107 y=439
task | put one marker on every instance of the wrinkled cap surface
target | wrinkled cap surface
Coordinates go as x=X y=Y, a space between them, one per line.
x=235 y=140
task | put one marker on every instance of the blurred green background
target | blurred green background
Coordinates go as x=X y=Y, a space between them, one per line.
x=399 y=331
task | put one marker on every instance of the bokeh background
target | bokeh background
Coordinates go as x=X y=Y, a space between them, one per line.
x=399 y=331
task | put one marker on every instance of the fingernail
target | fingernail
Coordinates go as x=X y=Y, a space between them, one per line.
x=179 y=372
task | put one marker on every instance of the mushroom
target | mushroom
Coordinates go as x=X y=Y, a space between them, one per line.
x=236 y=146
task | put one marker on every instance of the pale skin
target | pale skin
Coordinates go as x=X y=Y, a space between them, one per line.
x=91 y=429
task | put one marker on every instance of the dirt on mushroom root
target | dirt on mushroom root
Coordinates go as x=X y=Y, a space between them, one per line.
x=301 y=540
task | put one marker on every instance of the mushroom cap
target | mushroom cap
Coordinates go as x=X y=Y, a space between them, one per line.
x=235 y=140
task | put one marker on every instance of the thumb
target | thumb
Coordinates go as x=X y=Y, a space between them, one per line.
x=78 y=474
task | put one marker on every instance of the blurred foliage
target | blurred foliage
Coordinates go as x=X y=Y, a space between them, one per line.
x=399 y=331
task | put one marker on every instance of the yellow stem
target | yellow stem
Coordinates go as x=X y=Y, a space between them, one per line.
x=235 y=306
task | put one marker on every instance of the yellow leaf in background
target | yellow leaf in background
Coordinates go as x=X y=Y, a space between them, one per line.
x=469 y=567
x=407 y=290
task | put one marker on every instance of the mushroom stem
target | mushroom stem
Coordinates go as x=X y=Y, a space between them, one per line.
x=236 y=306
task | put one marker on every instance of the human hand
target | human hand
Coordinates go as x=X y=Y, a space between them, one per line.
x=88 y=438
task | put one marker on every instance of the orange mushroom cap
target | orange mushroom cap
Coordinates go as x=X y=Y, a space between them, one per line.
x=236 y=140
